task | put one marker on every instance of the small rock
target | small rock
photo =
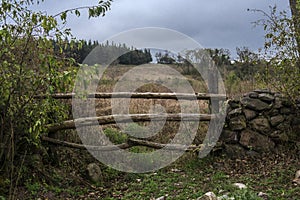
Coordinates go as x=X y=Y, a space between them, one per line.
x=240 y=185
x=256 y=141
x=225 y=197
x=208 y=196
x=161 y=198
x=234 y=151
x=278 y=95
x=272 y=112
x=254 y=104
x=237 y=123
x=278 y=102
x=263 y=195
x=176 y=170
x=276 y=120
x=266 y=97
x=94 y=172
x=235 y=112
x=261 y=124
x=229 y=136
x=251 y=94
x=268 y=91
x=296 y=180
x=234 y=104
x=250 y=114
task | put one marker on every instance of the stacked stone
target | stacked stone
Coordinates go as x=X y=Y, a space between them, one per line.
x=258 y=121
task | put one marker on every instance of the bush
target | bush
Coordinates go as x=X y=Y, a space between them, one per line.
x=115 y=136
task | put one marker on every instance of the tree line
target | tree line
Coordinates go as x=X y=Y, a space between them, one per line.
x=104 y=53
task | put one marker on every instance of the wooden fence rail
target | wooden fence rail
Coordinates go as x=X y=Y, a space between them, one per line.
x=111 y=119
x=137 y=95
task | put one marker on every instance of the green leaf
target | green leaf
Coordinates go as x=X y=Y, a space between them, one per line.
x=63 y=16
x=91 y=12
x=77 y=13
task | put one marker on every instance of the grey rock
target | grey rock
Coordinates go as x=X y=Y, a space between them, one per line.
x=229 y=136
x=234 y=104
x=285 y=110
x=266 y=97
x=279 y=136
x=235 y=112
x=237 y=123
x=276 y=120
x=278 y=95
x=251 y=95
x=283 y=126
x=256 y=141
x=249 y=114
x=297 y=178
x=268 y=91
x=94 y=172
x=273 y=112
x=208 y=196
x=240 y=185
x=234 y=151
x=263 y=195
x=255 y=104
x=161 y=198
x=261 y=124
x=225 y=197
x=278 y=103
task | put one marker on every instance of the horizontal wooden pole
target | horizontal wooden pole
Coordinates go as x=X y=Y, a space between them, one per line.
x=171 y=147
x=111 y=119
x=81 y=146
x=131 y=142
x=136 y=95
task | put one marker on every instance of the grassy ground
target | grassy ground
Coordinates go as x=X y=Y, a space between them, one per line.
x=187 y=178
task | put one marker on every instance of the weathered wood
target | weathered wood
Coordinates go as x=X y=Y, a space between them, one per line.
x=81 y=146
x=110 y=119
x=136 y=95
x=131 y=142
x=171 y=147
x=213 y=87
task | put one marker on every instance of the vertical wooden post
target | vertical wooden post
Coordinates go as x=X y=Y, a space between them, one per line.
x=213 y=87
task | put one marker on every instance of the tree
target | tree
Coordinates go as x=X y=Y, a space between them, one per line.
x=295 y=11
x=282 y=71
x=29 y=66
x=165 y=58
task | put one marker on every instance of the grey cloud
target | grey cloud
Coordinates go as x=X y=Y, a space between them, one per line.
x=214 y=23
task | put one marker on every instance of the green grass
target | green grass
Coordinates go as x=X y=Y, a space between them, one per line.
x=193 y=177
x=187 y=178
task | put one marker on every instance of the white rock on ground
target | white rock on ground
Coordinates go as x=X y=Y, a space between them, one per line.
x=208 y=196
x=240 y=185
x=297 y=178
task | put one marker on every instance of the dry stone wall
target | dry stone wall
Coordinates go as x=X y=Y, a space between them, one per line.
x=259 y=121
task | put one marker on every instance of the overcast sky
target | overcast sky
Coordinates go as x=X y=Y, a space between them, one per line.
x=212 y=23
